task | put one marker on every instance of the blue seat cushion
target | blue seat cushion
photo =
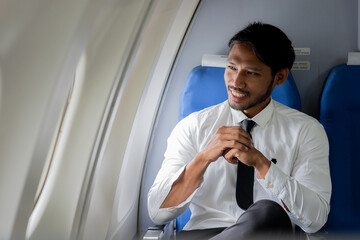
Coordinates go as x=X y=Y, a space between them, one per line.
x=340 y=116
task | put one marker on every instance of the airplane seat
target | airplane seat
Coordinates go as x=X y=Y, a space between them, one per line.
x=340 y=116
x=205 y=87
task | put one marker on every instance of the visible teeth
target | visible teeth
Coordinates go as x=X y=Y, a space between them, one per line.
x=237 y=94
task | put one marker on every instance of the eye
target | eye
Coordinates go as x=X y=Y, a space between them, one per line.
x=231 y=67
x=250 y=73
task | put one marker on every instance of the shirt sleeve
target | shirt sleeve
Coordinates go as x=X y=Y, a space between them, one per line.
x=307 y=191
x=181 y=150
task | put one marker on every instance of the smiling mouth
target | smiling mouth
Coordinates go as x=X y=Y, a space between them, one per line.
x=237 y=92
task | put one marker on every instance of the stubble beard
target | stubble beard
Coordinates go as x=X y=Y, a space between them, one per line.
x=256 y=101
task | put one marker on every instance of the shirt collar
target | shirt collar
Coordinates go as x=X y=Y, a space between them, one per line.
x=261 y=118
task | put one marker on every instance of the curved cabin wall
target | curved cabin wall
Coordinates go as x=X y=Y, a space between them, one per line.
x=39 y=50
x=62 y=209
x=116 y=56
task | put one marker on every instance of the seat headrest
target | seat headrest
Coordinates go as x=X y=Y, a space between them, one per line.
x=353 y=58
x=210 y=60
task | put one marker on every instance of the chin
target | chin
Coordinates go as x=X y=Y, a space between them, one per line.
x=236 y=107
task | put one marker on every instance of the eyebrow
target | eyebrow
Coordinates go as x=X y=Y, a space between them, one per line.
x=247 y=67
x=254 y=69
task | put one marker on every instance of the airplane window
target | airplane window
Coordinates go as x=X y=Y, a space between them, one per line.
x=72 y=95
x=57 y=144
x=51 y=152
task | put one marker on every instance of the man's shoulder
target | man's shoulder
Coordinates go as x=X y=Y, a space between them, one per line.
x=293 y=115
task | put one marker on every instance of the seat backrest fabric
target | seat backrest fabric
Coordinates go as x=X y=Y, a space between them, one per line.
x=340 y=116
x=204 y=87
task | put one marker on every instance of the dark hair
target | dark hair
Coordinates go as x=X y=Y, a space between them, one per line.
x=269 y=43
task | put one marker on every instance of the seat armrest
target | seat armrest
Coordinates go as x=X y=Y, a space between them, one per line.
x=322 y=234
x=160 y=231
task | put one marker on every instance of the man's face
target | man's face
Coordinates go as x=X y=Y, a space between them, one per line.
x=249 y=81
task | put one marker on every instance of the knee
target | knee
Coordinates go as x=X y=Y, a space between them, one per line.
x=265 y=219
x=266 y=215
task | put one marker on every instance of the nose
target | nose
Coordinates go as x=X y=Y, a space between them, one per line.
x=239 y=80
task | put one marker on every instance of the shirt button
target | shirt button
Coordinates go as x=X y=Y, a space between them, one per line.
x=271 y=185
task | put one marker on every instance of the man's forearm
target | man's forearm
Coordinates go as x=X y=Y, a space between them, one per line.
x=188 y=181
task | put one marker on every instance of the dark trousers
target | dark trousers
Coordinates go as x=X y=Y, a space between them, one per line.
x=264 y=219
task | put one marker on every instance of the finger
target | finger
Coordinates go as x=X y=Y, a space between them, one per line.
x=234 y=160
x=239 y=142
x=228 y=133
x=234 y=145
x=231 y=155
x=230 y=129
x=235 y=138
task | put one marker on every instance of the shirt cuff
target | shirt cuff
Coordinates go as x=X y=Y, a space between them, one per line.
x=275 y=185
x=274 y=181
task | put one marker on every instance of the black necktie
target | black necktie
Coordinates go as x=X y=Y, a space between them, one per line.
x=245 y=176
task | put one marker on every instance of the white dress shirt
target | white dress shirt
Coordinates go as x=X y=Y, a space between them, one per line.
x=300 y=178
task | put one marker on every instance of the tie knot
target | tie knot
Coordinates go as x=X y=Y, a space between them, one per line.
x=247 y=125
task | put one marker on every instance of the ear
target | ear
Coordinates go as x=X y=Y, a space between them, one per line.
x=281 y=76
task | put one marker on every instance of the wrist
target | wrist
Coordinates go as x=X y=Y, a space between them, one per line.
x=196 y=169
x=201 y=160
x=262 y=166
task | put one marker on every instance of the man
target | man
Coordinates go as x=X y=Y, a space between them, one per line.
x=208 y=149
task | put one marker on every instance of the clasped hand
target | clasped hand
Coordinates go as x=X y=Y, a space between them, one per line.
x=234 y=144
